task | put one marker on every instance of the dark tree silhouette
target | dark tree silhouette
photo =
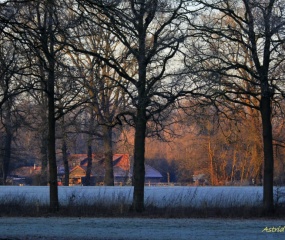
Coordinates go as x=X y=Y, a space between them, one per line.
x=152 y=33
x=238 y=51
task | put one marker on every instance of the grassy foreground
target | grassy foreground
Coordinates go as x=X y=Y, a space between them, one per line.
x=20 y=206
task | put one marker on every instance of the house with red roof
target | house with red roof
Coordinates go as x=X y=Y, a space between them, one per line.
x=121 y=167
x=30 y=175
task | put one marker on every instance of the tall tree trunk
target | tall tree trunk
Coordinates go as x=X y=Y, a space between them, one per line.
x=44 y=144
x=65 y=154
x=89 y=162
x=50 y=55
x=54 y=204
x=44 y=161
x=211 y=158
x=65 y=162
x=139 y=167
x=140 y=125
x=43 y=129
x=108 y=152
x=7 y=141
x=265 y=109
x=233 y=166
x=7 y=154
x=89 y=148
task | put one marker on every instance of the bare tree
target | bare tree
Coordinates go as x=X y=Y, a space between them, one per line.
x=152 y=32
x=36 y=25
x=238 y=46
x=105 y=97
x=11 y=85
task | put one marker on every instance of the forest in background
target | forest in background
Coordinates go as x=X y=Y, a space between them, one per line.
x=227 y=151
x=201 y=80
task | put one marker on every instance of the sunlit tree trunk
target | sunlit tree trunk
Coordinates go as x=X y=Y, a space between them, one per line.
x=233 y=165
x=211 y=158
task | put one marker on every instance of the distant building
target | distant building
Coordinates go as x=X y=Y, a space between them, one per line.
x=30 y=175
x=77 y=176
x=152 y=175
x=121 y=167
x=26 y=175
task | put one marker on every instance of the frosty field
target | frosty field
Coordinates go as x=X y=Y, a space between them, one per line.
x=139 y=229
x=71 y=228
x=156 y=196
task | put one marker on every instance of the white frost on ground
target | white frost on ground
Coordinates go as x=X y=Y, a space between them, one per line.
x=157 y=196
x=138 y=229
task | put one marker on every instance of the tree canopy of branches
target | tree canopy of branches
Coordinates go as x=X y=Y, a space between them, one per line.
x=152 y=33
x=239 y=50
x=35 y=26
x=133 y=62
x=106 y=99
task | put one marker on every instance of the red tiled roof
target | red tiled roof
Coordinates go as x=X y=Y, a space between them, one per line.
x=119 y=160
x=122 y=161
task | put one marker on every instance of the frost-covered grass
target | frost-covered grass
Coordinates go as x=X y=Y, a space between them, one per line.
x=139 y=229
x=116 y=201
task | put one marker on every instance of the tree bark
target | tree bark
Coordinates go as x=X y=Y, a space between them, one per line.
x=265 y=109
x=43 y=129
x=139 y=159
x=7 y=154
x=233 y=165
x=212 y=171
x=7 y=142
x=54 y=204
x=108 y=151
x=89 y=148
x=89 y=163
x=50 y=55
x=64 y=153
x=65 y=162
